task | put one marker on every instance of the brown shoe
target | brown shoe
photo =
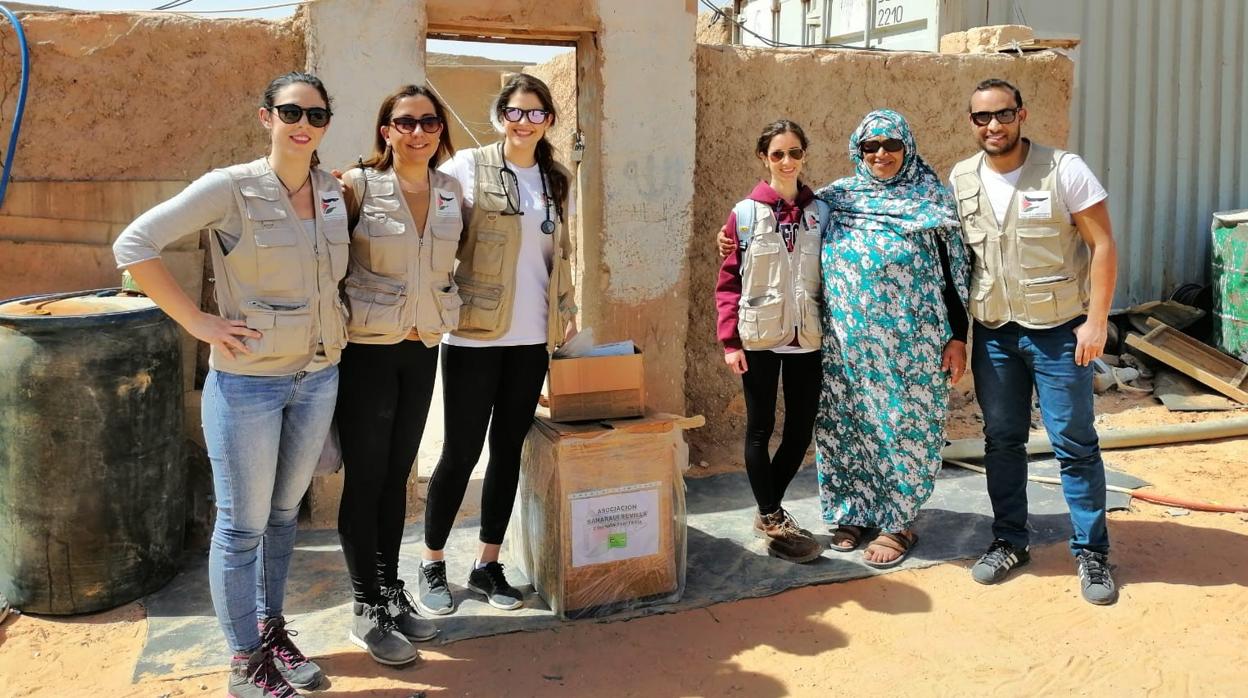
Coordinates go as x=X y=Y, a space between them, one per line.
x=788 y=541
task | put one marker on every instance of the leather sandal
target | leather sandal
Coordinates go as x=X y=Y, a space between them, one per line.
x=846 y=538
x=902 y=543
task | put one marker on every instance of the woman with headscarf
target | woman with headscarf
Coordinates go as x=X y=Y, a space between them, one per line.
x=895 y=272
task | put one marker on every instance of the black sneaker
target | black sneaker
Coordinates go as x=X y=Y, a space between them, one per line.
x=256 y=676
x=301 y=672
x=434 y=595
x=1095 y=579
x=995 y=564
x=373 y=629
x=490 y=582
x=402 y=608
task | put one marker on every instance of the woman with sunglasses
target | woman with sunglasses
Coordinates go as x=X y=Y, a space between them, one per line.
x=768 y=302
x=514 y=276
x=277 y=231
x=406 y=222
x=895 y=276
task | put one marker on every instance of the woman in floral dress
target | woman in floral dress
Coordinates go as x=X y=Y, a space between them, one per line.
x=895 y=273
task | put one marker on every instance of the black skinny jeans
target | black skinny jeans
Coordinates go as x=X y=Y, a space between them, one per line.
x=770 y=476
x=383 y=400
x=494 y=388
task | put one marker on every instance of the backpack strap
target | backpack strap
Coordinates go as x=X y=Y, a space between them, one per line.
x=744 y=211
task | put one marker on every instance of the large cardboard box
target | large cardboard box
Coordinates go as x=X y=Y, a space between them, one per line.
x=596 y=387
x=601 y=517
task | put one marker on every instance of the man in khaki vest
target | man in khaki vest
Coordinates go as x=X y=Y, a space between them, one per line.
x=1037 y=224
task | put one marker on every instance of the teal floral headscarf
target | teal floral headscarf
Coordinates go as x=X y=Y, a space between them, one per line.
x=911 y=202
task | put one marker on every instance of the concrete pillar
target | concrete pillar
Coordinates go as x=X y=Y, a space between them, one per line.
x=362 y=51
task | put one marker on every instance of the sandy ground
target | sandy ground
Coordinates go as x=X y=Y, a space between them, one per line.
x=1178 y=629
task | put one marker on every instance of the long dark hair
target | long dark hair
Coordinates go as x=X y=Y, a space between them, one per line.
x=292 y=78
x=383 y=156
x=523 y=82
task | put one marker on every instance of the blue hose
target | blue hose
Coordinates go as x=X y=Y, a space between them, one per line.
x=21 y=102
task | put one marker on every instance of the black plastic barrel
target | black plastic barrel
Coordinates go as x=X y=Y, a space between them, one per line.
x=91 y=468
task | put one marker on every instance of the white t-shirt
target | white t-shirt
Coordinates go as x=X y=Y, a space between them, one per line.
x=528 y=311
x=1077 y=186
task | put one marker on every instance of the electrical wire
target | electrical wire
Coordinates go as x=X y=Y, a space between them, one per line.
x=452 y=111
x=21 y=101
x=170 y=5
x=781 y=44
x=238 y=9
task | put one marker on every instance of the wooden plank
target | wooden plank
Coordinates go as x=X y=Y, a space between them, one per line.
x=109 y=202
x=35 y=229
x=1193 y=358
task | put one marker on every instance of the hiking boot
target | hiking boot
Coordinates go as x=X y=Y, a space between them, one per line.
x=760 y=531
x=299 y=671
x=256 y=676
x=490 y=582
x=788 y=541
x=1095 y=579
x=373 y=629
x=995 y=564
x=434 y=596
x=403 y=609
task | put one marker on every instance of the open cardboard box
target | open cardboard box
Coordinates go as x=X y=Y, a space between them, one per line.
x=596 y=387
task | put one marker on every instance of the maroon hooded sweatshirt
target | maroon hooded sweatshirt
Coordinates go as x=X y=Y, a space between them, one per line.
x=728 y=289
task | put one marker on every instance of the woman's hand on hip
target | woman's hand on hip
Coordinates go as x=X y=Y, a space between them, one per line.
x=736 y=361
x=221 y=333
x=953 y=360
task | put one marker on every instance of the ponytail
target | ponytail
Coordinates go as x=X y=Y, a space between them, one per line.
x=555 y=176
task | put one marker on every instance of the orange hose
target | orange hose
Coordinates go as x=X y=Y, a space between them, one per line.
x=1187 y=503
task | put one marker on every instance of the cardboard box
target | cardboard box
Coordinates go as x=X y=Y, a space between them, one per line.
x=600 y=525
x=596 y=387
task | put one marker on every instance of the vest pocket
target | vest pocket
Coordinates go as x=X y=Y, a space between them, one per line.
x=375 y=303
x=279 y=268
x=449 y=304
x=1052 y=299
x=762 y=321
x=1039 y=247
x=285 y=327
x=481 y=310
x=811 y=331
x=445 y=245
x=339 y=247
x=764 y=266
x=487 y=253
x=387 y=246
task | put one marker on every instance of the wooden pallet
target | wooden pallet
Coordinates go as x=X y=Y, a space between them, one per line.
x=1223 y=373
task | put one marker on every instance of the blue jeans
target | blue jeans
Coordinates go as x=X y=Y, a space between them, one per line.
x=1007 y=363
x=264 y=435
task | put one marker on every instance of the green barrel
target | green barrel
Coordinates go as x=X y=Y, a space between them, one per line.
x=92 y=477
x=1229 y=253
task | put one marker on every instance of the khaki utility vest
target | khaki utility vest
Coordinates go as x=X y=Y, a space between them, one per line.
x=780 y=289
x=399 y=278
x=275 y=279
x=488 y=254
x=1034 y=268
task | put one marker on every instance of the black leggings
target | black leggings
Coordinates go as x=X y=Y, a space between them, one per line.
x=383 y=400
x=494 y=387
x=770 y=476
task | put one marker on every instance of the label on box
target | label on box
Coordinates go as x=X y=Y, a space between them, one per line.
x=615 y=524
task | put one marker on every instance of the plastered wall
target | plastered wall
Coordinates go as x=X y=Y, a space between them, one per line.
x=141 y=96
x=827 y=92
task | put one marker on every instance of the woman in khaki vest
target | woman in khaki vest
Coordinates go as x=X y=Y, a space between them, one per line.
x=406 y=220
x=277 y=231
x=514 y=276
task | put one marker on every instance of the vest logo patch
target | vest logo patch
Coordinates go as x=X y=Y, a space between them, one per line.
x=331 y=206
x=1035 y=205
x=446 y=205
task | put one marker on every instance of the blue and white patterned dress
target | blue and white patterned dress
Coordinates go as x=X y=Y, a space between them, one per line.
x=881 y=423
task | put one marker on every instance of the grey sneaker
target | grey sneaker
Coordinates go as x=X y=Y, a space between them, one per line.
x=1095 y=579
x=434 y=596
x=373 y=629
x=298 y=670
x=995 y=564
x=403 y=609
x=490 y=582
x=256 y=676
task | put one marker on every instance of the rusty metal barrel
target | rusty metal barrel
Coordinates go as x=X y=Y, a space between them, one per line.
x=92 y=477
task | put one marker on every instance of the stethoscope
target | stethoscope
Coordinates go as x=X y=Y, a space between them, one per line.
x=513 y=209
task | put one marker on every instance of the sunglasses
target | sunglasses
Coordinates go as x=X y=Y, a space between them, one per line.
x=535 y=116
x=1003 y=116
x=892 y=145
x=408 y=124
x=794 y=153
x=292 y=113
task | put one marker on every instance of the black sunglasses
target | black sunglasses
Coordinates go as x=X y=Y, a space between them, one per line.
x=892 y=145
x=408 y=124
x=1003 y=116
x=535 y=116
x=794 y=153
x=292 y=113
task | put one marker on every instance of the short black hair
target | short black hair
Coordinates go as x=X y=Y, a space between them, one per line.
x=999 y=84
